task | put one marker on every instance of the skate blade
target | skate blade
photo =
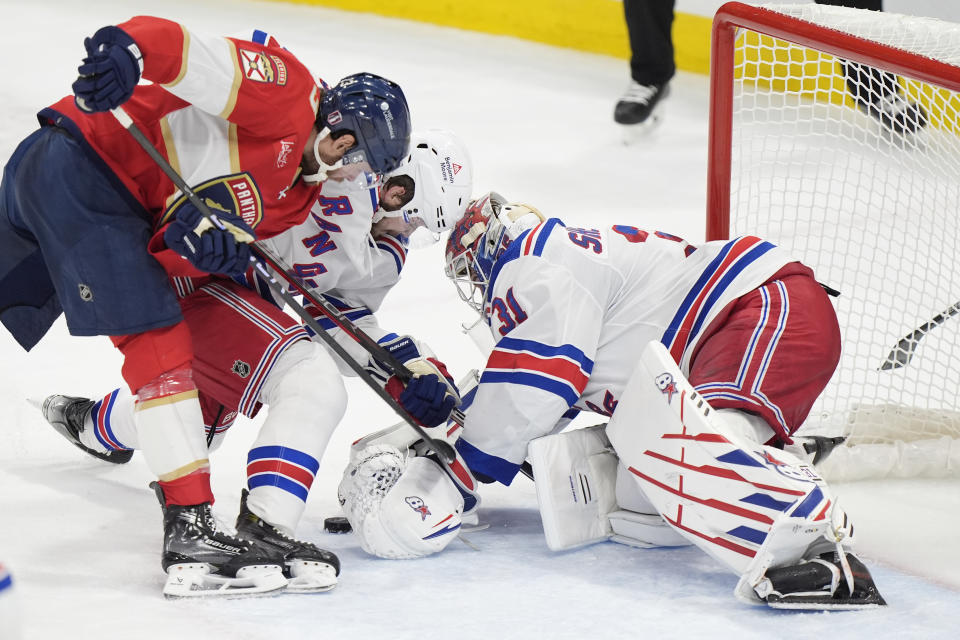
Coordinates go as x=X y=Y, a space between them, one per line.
x=823 y=603
x=473 y=528
x=814 y=606
x=197 y=581
x=310 y=577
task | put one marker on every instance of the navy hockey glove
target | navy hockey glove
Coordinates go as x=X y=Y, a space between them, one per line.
x=207 y=247
x=110 y=71
x=430 y=395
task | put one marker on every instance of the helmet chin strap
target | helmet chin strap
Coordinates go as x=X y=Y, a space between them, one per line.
x=322 y=167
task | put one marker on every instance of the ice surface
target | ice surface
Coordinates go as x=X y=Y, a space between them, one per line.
x=82 y=538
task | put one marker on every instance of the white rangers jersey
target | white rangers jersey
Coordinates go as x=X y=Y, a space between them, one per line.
x=572 y=308
x=334 y=254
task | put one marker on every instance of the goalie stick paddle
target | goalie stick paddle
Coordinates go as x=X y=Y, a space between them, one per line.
x=901 y=354
x=262 y=255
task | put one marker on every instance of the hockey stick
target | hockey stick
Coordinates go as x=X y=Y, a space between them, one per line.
x=262 y=255
x=901 y=354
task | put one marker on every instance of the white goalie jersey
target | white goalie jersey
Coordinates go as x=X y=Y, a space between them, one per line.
x=571 y=310
x=333 y=253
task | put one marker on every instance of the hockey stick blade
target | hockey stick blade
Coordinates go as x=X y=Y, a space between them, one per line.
x=901 y=354
x=260 y=256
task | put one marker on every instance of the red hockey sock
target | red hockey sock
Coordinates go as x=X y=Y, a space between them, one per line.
x=193 y=488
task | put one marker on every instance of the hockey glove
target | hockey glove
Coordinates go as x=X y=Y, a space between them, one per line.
x=430 y=395
x=110 y=71
x=207 y=247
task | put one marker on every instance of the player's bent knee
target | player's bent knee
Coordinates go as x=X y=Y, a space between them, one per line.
x=307 y=375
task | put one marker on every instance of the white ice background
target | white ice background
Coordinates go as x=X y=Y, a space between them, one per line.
x=82 y=538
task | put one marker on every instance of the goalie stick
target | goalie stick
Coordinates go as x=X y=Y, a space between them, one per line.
x=901 y=354
x=262 y=255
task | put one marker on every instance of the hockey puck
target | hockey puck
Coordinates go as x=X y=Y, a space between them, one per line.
x=337 y=524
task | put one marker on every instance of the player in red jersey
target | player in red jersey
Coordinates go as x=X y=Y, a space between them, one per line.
x=90 y=227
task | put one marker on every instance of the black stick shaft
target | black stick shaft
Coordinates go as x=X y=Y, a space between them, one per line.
x=901 y=354
x=263 y=255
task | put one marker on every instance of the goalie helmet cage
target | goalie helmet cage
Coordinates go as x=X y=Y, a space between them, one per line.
x=802 y=152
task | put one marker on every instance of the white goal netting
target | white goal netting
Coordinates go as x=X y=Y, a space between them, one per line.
x=857 y=170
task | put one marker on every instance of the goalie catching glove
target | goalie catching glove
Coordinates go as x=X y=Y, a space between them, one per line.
x=399 y=506
x=430 y=395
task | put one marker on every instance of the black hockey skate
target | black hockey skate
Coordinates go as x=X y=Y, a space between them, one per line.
x=309 y=568
x=638 y=102
x=202 y=561
x=66 y=414
x=821 y=583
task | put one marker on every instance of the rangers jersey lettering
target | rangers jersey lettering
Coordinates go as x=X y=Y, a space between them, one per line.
x=334 y=254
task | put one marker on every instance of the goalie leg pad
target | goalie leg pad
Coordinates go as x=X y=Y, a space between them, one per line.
x=724 y=493
x=575 y=476
x=643 y=530
x=637 y=522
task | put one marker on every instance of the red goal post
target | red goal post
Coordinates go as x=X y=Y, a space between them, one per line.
x=727 y=23
x=796 y=158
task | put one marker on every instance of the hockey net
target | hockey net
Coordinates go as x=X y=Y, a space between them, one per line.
x=857 y=171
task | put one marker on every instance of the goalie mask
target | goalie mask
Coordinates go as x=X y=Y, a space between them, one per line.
x=442 y=175
x=479 y=238
x=400 y=507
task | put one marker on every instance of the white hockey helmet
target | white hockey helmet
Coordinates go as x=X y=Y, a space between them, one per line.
x=442 y=173
x=400 y=507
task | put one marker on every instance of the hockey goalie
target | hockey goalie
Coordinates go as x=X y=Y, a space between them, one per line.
x=705 y=358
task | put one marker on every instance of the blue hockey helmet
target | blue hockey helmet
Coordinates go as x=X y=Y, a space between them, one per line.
x=375 y=111
x=478 y=239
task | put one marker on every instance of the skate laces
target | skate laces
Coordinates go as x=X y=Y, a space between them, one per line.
x=216 y=526
x=838 y=534
x=280 y=533
x=637 y=92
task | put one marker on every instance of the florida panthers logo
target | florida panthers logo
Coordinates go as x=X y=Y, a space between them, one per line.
x=418 y=505
x=235 y=194
x=667 y=386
